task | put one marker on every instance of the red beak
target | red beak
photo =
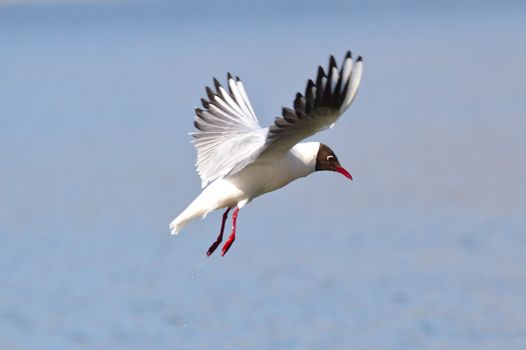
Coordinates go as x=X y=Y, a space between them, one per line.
x=344 y=172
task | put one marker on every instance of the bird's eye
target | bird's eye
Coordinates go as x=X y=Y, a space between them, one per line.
x=329 y=158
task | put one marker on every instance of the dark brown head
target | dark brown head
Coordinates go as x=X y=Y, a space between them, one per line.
x=327 y=160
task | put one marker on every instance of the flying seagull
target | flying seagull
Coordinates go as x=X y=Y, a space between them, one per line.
x=238 y=160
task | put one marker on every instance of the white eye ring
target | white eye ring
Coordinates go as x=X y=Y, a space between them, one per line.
x=329 y=158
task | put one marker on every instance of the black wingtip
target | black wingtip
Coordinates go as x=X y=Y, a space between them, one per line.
x=309 y=94
x=229 y=76
x=359 y=59
x=299 y=102
x=205 y=103
x=321 y=72
x=237 y=78
x=210 y=93
x=348 y=54
x=332 y=62
x=217 y=84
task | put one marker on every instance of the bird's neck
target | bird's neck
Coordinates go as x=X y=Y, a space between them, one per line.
x=305 y=153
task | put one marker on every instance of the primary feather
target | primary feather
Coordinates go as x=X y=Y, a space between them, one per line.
x=322 y=104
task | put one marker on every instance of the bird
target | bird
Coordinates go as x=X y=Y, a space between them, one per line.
x=238 y=160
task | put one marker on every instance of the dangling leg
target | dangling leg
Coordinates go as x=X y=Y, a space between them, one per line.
x=232 y=236
x=220 y=237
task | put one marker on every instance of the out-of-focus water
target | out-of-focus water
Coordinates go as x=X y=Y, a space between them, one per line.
x=424 y=250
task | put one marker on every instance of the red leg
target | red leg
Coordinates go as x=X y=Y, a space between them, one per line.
x=232 y=236
x=220 y=237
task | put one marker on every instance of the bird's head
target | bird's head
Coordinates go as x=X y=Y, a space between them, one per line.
x=327 y=160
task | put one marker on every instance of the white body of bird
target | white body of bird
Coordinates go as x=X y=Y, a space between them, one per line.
x=267 y=174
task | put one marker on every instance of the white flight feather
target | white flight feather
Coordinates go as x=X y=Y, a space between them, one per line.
x=335 y=75
x=347 y=68
x=356 y=76
x=238 y=98
x=246 y=101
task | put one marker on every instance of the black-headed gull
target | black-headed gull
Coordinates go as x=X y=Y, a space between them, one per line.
x=239 y=160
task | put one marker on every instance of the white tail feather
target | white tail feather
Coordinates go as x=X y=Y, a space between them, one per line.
x=202 y=205
x=185 y=217
x=219 y=194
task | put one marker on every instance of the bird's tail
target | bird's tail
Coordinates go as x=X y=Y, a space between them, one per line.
x=193 y=211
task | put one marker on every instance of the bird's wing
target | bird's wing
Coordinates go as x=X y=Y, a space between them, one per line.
x=229 y=136
x=323 y=103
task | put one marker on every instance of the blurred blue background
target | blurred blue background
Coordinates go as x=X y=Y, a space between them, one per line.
x=424 y=250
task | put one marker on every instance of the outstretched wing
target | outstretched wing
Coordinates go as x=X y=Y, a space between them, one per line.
x=323 y=103
x=229 y=136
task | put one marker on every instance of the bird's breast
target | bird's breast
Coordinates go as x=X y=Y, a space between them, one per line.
x=266 y=176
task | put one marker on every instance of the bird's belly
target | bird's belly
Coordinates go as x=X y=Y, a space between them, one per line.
x=256 y=180
x=222 y=193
